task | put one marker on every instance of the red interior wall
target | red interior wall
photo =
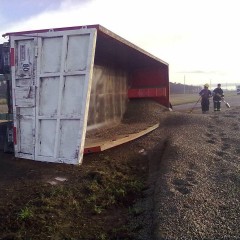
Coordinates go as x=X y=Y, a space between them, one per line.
x=152 y=78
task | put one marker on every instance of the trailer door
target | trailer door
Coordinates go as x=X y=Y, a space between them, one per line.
x=24 y=93
x=54 y=105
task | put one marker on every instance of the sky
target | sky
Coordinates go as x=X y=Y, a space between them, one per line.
x=199 y=39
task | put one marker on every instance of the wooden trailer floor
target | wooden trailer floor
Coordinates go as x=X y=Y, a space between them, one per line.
x=101 y=139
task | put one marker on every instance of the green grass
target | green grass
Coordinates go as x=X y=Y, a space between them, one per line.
x=25 y=213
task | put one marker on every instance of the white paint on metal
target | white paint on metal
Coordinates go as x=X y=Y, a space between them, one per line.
x=77 y=53
x=51 y=100
x=68 y=139
x=51 y=54
x=72 y=95
x=48 y=99
x=47 y=129
x=23 y=90
x=26 y=135
x=25 y=96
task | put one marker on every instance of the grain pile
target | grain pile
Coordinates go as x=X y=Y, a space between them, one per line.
x=140 y=114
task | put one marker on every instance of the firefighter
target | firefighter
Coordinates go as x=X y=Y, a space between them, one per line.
x=205 y=93
x=217 y=97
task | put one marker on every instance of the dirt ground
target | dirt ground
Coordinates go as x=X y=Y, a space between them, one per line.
x=180 y=181
x=56 y=201
x=96 y=200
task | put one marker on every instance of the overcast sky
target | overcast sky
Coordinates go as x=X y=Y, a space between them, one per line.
x=199 y=39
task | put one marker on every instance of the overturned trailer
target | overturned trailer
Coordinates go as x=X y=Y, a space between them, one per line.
x=66 y=81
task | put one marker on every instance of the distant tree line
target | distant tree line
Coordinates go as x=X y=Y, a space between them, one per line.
x=183 y=88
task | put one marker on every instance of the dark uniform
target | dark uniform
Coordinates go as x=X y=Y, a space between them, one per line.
x=205 y=94
x=217 y=98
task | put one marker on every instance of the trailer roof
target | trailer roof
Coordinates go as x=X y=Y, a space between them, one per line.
x=109 y=45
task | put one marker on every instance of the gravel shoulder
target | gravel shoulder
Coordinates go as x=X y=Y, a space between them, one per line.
x=197 y=186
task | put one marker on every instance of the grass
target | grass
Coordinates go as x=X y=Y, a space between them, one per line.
x=25 y=213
